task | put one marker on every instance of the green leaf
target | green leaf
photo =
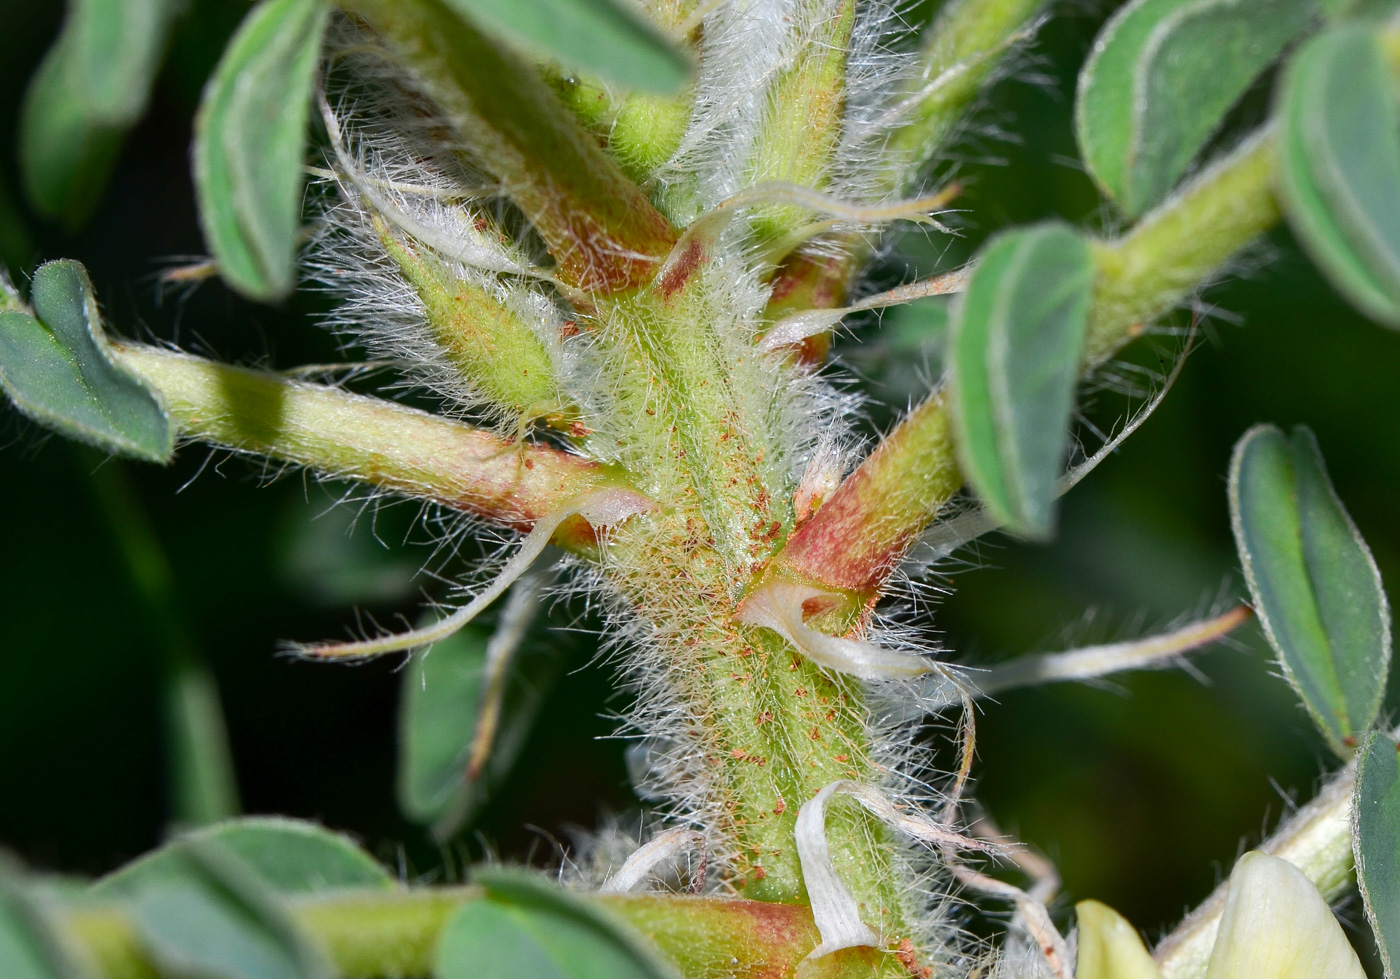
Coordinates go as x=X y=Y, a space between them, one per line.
x=250 y=141
x=58 y=370
x=288 y=856
x=1017 y=336
x=1339 y=165
x=211 y=917
x=92 y=86
x=1162 y=75
x=601 y=37
x=529 y=927
x=440 y=703
x=1375 y=841
x=31 y=944
x=1315 y=585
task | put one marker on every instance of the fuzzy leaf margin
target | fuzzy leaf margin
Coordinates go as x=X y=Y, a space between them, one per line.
x=1160 y=79
x=1375 y=841
x=57 y=368
x=288 y=856
x=1015 y=346
x=250 y=141
x=1315 y=585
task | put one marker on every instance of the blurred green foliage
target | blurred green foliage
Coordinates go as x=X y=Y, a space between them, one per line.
x=1142 y=793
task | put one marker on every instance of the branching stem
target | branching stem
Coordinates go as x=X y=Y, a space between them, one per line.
x=855 y=541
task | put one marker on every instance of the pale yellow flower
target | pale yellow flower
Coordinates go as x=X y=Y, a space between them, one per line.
x=1275 y=925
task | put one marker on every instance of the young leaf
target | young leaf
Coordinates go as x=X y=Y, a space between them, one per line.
x=249 y=142
x=211 y=916
x=1339 y=165
x=440 y=710
x=31 y=947
x=288 y=857
x=91 y=87
x=601 y=37
x=56 y=367
x=1017 y=335
x=1161 y=77
x=1375 y=841
x=528 y=927
x=1315 y=585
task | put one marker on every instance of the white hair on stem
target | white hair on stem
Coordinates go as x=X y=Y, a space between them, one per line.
x=601 y=508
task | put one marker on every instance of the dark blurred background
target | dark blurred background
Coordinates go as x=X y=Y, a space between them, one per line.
x=1142 y=793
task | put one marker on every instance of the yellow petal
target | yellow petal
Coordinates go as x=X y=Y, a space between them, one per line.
x=1109 y=947
x=1277 y=926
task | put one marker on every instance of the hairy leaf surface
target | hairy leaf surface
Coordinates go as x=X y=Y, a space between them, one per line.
x=1161 y=77
x=211 y=916
x=288 y=856
x=1316 y=588
x=55 y=365
x=1017 y=336
x=1375 y=841
x=249 y=144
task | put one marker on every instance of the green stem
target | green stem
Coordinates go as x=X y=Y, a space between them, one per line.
x=856 y=539
x=1185 y=242
x=960 y=51
x=394 y=935
x=350 y=436
x=804 y=119
x=600 y=228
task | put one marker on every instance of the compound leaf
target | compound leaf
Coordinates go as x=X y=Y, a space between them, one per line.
x=601 y=37
x=57 y=368
x=1339 y=165
x=1162 y=75
x=528 y=927
x=1375 y=841
x=287 y=856
x=1016 y=339
x=249 y=144
x=1316 y=588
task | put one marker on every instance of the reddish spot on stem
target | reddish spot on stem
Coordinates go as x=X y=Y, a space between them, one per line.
x=681 y=269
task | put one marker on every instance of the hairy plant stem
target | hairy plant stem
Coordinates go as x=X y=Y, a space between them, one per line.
x=958 y=56
x=770 y=728
x=394 y=935
x=855 y=541
x=367 y=439
x=599 y=226
x=959 y=53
